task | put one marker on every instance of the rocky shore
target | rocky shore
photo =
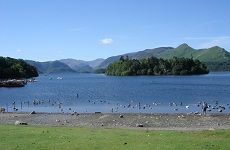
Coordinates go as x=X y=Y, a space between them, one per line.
x=126 y=120
x=12 y=83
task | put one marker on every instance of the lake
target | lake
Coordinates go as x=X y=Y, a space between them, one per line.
x=100 y=93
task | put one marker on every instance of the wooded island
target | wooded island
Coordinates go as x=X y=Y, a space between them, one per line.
x=155 y=66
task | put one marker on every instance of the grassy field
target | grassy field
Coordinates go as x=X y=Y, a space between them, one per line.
x=64 y=138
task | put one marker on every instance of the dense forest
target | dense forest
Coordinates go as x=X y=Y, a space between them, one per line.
x=11 y=68
x=155 y=66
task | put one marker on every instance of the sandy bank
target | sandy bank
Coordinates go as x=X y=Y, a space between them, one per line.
x=125 y=120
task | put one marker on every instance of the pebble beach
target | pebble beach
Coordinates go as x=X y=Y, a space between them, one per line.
x=154 y=121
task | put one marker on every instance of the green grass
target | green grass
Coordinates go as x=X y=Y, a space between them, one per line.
x=64 y=138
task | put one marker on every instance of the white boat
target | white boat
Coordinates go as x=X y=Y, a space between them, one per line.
x=59 y=78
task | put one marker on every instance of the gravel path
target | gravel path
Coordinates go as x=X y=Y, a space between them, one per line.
x=126 y=120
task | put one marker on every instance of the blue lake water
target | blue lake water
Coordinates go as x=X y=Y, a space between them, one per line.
x=95 y=92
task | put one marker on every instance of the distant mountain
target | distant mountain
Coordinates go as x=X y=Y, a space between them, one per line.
x=65 y=65
x=50 y=66
x=216 y=58
x=181 y=51
x=77 y=65
x=213 y=54
x=95 y=63
x=81 y=65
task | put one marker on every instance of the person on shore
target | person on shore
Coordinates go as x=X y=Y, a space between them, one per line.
x=204 y=107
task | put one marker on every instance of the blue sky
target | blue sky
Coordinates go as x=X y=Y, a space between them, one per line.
x=88 y=29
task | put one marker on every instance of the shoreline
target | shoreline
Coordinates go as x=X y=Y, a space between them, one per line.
x=151 y=121
x=13 y=83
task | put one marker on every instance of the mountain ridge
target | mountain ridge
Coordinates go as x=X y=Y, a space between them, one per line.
x=50 y=66
x=216 y=58
x=81 y=65
x=66 y=65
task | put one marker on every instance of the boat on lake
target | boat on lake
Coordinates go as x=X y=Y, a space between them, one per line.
x=59 y=78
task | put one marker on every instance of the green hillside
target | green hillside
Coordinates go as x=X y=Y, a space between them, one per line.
x=11 y=68
x=66 y=65
x=216 y=58
x=157 y=52
x=213 y=54
x=181 y=51
x=50 y=66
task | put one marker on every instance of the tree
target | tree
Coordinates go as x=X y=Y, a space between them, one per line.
x=11 y=68
x=155 y=66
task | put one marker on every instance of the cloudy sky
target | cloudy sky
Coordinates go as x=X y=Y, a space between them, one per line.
x=88 y=29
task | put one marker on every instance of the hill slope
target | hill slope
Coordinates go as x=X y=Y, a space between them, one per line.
x=157 y=52
x=50 y=66
x=81 y=65
x=11 y=68
x=65 y=65
x=216 y=57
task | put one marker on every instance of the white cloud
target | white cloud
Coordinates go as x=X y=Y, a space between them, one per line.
x=106 y=41
x=18 y=50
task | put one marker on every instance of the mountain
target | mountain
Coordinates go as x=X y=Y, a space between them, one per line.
x=81 y=65
x=65 y=65
x=216 y=58
x=137 y=55
x=50 y=66
x=213 y=54
x=77 y=65
x=181 y=51
x=95 y=63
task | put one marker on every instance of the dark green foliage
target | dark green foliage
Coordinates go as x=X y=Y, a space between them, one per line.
x=11 y=68
x=99 y=71
x=155 y=66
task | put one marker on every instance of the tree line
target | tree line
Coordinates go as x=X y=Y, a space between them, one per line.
x=218 y=66
x=11 y=68
x=155 y=66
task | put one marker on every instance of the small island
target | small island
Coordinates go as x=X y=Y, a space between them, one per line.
x=13 y=72
x=155 y=66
